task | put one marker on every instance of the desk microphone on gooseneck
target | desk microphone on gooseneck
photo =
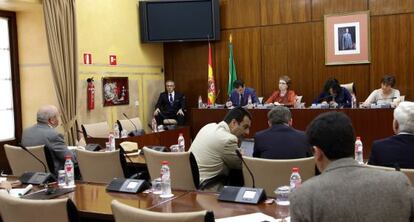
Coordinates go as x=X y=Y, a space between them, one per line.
x=133 y=132
x=247 y=167
x=36 y=177
x=28 y=151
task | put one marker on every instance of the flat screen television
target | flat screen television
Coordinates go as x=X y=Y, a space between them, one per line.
x=179 y=20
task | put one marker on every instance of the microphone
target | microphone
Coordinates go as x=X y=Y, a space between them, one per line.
x=247 y=167
x=28 y=151
x=133 y=132
x=137 y=175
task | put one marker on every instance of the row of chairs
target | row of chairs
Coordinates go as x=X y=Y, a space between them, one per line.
x=102 y=129
x=64 y=210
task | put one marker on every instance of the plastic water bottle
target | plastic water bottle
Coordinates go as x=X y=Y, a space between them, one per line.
x=70 y=172
x=116 y=130
x=165 y=180
x=295 y=180
x=359 y=150
x=354 y=103
x=200 y=102
x=111 y=141
x=249 y=100
x=181 y=143
x=154 y=125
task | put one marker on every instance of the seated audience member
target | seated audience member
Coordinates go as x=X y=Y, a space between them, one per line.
x=398 y=150
x=284 y=95
x=240 y=95
x=347 y=191
x=44 y=133
x=386 y=94
x=215 y=145
x=280 y=140
x=335 y=95
x=170 y=105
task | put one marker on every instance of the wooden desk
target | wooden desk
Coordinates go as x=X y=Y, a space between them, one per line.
x=164 y=138
x=370 y=124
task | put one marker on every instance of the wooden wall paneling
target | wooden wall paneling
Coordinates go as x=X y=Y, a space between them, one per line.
x=239 y=13
x=393 y=51
x=247 y=56
x=300 y=62
x=189 y=70
x=274 y=57
x=384 y=7
x=282 y=11
x=359 y=74
x=323 y=7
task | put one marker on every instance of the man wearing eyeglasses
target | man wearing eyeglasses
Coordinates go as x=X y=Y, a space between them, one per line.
x=170 y=105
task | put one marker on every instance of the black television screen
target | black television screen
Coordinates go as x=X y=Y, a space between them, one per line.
x=179 y=20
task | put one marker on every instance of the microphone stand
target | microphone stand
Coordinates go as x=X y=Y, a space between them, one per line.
x=133 y=132
x=247 y=167
x=27 y=150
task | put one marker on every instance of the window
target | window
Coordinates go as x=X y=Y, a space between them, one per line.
x=7 y=127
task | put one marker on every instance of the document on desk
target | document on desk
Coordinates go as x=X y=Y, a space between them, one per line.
x=254 y=217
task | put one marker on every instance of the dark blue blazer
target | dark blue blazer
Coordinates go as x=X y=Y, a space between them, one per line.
x=166 y=107
x=281 y=142
x=234 y=97
x=392 y=151
x=344 y=99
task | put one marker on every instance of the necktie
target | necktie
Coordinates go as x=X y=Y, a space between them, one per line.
x=241 y=100
x=171 y=98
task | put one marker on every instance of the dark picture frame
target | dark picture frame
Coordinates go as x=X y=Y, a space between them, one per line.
x=115 y=91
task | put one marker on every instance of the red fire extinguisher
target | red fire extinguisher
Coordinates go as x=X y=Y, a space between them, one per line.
x=90 y=94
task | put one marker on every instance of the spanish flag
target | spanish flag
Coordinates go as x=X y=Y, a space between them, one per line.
x=211 y=86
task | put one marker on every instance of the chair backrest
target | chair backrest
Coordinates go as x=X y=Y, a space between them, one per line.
x=14 y=209
x=183 y=168
x=410 y=174
x=100 y=167
x=170 y=122
x=129 y=146
x=128 y=126
x=100 y=130
x=125 y=213
x=20 y=161
x=380 y=167
x=270 y=174
x=350 y=87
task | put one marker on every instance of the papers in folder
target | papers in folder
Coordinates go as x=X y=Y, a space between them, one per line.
x=255 y=217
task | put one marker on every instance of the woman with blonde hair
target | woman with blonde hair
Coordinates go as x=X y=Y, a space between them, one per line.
x=283 y=96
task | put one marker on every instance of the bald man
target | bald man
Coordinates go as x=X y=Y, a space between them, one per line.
x=44 y=133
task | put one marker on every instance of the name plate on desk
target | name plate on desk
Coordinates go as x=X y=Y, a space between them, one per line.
x=242 y=194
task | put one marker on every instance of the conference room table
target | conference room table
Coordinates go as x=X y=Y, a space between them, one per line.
x=94 y=203
x=369 y=124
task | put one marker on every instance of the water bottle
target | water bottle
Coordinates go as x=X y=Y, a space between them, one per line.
x=295 y=180
x=111 y=141
x=200 y=102
x=354 y=103
x=154 y=125
x=116 y=130
x=359 y=150
x=181 y=143
x=165 y=180
x=249 y=100
x=69 y=171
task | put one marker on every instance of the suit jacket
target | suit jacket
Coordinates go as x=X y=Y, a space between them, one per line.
x=166 y=107
x=344 y=99
x=281 y=142
x=214 y=148
x=347 y=191
x=234 y=97
x=43 y=134
x=392 y=151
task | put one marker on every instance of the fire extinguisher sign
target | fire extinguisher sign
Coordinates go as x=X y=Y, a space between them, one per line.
x=112 y=60
x=87 y=58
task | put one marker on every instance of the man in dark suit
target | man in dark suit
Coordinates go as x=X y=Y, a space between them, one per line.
x=280 y=140
x=346 y=190
x=240 y=95
x=170 y=105
x=44 y=133
x=397 y=150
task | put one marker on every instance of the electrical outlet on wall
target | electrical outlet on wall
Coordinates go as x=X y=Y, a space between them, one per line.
x=136 y=103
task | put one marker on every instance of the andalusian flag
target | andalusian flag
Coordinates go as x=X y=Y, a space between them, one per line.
x=211 y=95
x=232 y=68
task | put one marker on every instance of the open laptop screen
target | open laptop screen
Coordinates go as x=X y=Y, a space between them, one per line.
x=247 y=146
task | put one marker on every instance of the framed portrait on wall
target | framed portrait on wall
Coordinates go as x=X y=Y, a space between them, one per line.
x=347 y=38
x=115 y=91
